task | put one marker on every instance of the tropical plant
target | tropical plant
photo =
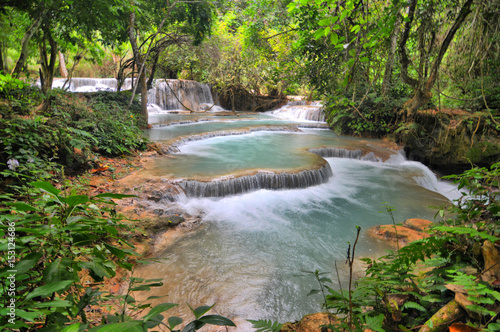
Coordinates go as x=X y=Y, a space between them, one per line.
x=55 y=238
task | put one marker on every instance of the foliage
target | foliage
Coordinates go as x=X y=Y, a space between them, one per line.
x=10 y=85
x=404 y=289
x=372 y=60
x=266 y=325
x=249 y=48
x=69 y=134
x=52 y=241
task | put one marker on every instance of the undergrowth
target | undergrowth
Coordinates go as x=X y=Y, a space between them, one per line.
x=52 y=240
x=68 y=137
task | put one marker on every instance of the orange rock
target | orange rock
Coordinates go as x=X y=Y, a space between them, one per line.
x=461 y=327
x=311 y=323
x=402 y=234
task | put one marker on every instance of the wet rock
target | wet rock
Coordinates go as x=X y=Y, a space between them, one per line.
x=174 y=220
x=161 y=224
x=159 y=212
x=155 y=195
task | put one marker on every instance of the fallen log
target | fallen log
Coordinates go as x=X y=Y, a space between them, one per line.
x=442 y=319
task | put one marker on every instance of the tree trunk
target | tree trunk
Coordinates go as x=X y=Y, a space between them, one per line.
x=62 y=66
x=25 y=43
x=386 y=83
x=47 y=66
x=138 y=61
x=2 y=65
x=423 y=88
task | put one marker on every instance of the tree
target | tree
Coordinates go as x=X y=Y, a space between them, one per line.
x=427 y=70
x=370 y=41
x=56 y=22
x=190 y=17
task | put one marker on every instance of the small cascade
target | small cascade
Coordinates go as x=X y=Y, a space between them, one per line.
x=181 y=95
x=85 y=84
x=299 y=110
x=261 y=180
x=330 y=152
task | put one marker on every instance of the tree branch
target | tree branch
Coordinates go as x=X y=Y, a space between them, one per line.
x=404 y=60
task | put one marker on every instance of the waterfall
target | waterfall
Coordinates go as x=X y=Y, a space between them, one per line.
x=193 y=95
x=261 y=180
x=85 y=84
x=346 y=153
x=298 y=110
x=181 y=95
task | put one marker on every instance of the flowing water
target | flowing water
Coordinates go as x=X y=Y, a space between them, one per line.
x=249 y=254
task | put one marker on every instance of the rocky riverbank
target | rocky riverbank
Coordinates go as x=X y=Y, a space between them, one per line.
x=451 y=140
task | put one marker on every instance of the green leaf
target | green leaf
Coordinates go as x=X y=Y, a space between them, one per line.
x=200 y=311
x=53 y=304
x=174 y=321
x=27 y=315
x=313 y=291
x=98 y=271
x=28 y=262
x=46 y=186
x=364 y=59
x=319 y=33
x=58 y=270
x=157 y=310
x=355 y=28
x=334 y=38
x=414 y=305
x=266 y=325
x=74 y=328
x=49 y=289
x=115 y=251
x=20 y=206
x=216 y=320
x=324 y=22
x=75 y=200
x=193 y=326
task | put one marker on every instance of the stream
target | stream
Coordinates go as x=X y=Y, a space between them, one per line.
x=279 y=194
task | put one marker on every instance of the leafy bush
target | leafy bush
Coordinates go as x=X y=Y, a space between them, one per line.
x=374 y=117
x=10 y=85
x=51 y=241
x=68 y=135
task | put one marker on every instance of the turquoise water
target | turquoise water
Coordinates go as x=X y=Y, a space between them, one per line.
x=247 y=254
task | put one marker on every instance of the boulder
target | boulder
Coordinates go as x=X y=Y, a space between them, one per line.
x=311 y=323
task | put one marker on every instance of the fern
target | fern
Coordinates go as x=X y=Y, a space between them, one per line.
x=466 y=230
x=414 y=305
x=266 y=325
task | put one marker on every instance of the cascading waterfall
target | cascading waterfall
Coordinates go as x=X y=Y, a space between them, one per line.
x=181 y=95
x=260 y=180
x=85 y=84
x=299 y=110
x=178 y=95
